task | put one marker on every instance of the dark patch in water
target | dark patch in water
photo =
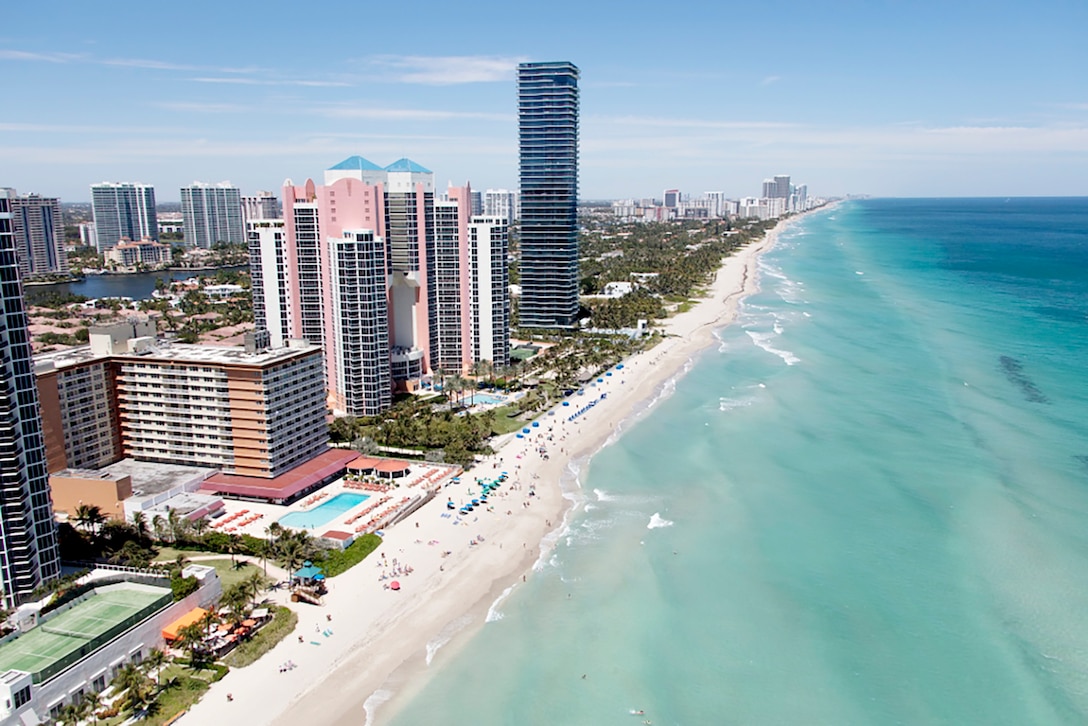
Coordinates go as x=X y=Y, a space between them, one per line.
x=1014 y=371
x=1083 y=460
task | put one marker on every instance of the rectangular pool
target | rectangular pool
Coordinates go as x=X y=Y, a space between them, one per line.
x=323 y=513
x=485 y=399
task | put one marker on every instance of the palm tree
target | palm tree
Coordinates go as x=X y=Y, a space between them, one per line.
x=158 y=526
x=181 y=562
x=191 y=639
x=136 y=686
x=254 y=585
x=155 y=661
x=200 y=526
x=93 y=699
x=236 y=600
x=89 y=517
x=291 y=555
x=139 y=521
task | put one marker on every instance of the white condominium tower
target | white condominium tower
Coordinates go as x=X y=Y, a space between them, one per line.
x=211 y=214
x=123 y=211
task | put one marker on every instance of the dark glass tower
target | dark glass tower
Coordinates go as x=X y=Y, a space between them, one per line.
x=548 y=155
x=28 y=540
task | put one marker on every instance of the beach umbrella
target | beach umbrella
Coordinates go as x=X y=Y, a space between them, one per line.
x=475 y=502
x=566 y=403
x=451 y=505
x=394 y=585
x=600 y=380
x=619 y=366
x=536 y=424
x=608 y=373
x=525 y=430
x=520 y=436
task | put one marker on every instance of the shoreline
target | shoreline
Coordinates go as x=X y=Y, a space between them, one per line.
x=381 y=642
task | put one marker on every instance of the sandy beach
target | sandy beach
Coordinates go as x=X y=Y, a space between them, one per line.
x=369 y=643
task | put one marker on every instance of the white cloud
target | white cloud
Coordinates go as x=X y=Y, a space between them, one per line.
x=270 y=82
x=406 y=114
x=447 y=70
x=22 y=55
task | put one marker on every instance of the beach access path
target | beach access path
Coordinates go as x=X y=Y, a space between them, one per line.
x=368 y=641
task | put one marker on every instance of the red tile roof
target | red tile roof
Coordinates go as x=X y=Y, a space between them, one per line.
x=286 y=485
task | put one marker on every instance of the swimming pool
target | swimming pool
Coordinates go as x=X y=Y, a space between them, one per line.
x=485 y=399
x=322 y=513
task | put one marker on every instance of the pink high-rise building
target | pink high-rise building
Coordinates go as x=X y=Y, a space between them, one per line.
x=378 y=272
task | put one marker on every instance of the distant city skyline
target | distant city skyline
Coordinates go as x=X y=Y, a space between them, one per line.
x=917 y=99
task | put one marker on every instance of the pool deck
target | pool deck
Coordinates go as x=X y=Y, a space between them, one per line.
x=383 y=505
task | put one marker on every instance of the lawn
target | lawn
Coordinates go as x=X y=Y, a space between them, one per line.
x=283 y=622
x=505 y=423
x=229 y=573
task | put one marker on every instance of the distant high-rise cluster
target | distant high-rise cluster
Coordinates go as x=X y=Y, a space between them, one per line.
x=123 y=211
x=393 y=282
x=548 y=162
x=38 y=234
x=211 y=214
x=780 y=197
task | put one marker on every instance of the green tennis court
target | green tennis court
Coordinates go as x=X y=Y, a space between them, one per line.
x=55 y=644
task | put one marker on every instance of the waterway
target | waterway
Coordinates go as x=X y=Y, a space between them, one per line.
x=138 y=286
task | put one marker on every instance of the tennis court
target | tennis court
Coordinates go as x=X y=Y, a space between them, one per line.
x=59 y=642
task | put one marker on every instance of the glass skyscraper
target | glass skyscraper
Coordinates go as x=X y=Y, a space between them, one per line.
x=28 y=541
x=548 y=157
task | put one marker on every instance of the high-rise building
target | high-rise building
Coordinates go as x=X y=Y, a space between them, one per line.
x=781 y=187
x=489 y=282
x=211 y=214
x=39 y=234
x=123 y=211
x=262 y=205
x=28 y=542
x=359 y=316
x=88 y=235
x=269 y=278
x=671 y=198
x=501 y=203
x=375 y=269
x=548 y=161
x=251 y=411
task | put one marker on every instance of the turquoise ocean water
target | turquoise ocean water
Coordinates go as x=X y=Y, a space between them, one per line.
x=867 y=505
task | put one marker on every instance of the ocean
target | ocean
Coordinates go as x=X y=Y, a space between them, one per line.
x=866 y=505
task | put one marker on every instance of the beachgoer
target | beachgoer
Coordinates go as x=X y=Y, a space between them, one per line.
x=230 y=697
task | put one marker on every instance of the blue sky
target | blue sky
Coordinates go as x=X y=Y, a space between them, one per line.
x=885 y=97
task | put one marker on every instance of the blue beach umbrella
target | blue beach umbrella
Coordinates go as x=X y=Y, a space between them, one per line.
x=536 y=424
x=566 y=403
x=608 y=373
x=619 y=366
x=525 y=430
x=520 y=436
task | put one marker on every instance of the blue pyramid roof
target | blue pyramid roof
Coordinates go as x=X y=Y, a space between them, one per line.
x=356 y=162
x=407 y=165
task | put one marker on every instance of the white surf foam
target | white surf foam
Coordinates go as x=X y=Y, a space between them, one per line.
x=446 y=635
x=493 y=612
x=370 y=705
x=762 y=341
x=603 y=496
x=657 y=522
x=729 y=404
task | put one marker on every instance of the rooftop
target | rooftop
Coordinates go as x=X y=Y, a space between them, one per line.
x=407 y=165
x=327 y=464
x=180 y=352
x=150 y=479
x=57 y=643
x=356 y=162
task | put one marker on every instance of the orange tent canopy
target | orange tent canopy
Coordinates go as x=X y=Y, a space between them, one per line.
x=170 y=632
